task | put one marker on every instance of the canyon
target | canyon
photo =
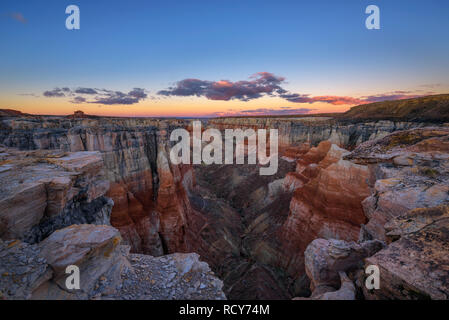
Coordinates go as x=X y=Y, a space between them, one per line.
x=349 y=192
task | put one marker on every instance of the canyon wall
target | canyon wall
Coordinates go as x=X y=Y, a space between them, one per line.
x=135 y=164
x=406 y=230
x=54 y=214
x=296 y=130
x=252 y=230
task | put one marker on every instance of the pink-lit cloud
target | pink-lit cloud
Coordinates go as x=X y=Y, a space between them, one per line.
x=261 y=83
x=267 y=84
x=283 y=111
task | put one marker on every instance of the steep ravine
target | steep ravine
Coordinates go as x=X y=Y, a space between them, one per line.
x=250 y=229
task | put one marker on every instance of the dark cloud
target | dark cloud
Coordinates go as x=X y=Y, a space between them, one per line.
x=262 y=83
x=118 y=97
x=85 y=91
x=265 y=83
x=102 y=96
x=79 y=99
x=334 y=100
x=259 y=84
x=57 y=92
x=138 y=93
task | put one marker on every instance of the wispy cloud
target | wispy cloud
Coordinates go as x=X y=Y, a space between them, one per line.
x=386 y=97
x=98 y=96
x=282 y=111
x=335 y=100
x=28 y=95
x=18 y=17
x=431 y=85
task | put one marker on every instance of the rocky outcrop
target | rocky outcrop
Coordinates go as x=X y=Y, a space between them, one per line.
x=296 y=130
x=327 y=205
x=324 y=259
x=11 y=113
x=416 y=264
x=411 y=168
x=22 y=269
x=93 y=249
x=133 y=151
x=252 y=230
x=347 y=291
x=43 y=191
x=407 y=210
x=39 y=271
x=175 y=276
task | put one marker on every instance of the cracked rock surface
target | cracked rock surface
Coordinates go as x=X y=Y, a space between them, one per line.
x=174 y=276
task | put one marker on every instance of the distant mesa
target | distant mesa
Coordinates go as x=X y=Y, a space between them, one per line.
x=78 y=115
x=11 y=113
x=428 y=108
x=433 y=108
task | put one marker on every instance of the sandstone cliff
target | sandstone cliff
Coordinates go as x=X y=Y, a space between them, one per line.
x=54 y=214
x=407 y=211
x=42 y=191
x=253 y=231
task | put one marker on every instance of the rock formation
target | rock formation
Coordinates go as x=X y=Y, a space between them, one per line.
x=106 y=271
x=43 y=191
x=54 y=214
x=257 y=233
x=407 y=211
x=324 y=259
x=416 y=264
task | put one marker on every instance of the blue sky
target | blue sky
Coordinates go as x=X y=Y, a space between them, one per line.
x=319 y=47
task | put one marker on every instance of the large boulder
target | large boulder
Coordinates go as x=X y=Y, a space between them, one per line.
x=41 y=191
x=324 y=259
x=39 y=271
x=106 y=269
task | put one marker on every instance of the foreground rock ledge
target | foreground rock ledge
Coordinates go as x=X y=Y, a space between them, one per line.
x=38 y=271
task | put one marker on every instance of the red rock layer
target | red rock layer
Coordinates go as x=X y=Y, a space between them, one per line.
x=327 y=205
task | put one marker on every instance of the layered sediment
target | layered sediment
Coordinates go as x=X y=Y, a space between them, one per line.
x=407 y=212
x=54 y=215
x=340 y=181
